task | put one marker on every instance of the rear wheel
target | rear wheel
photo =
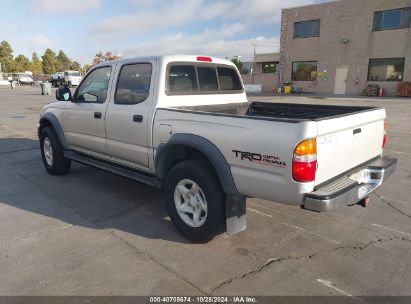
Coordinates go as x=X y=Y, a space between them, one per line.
x=52 y=153
x=195 y=201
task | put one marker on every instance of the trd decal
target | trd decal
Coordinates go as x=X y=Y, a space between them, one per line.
x=259 y=158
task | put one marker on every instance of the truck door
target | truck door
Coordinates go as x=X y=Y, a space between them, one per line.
x=84 y=117
x=127 y=120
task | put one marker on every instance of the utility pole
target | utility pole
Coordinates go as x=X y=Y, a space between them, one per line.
x=252 y=74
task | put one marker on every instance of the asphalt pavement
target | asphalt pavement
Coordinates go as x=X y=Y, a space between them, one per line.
x=93 y=233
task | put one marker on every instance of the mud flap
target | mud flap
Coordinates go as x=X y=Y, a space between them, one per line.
x=236 y=217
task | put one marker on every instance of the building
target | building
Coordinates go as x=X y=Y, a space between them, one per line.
x=339 y=47
x=264 y=71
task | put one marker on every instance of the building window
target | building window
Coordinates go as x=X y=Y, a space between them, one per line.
x=269 y=67
x=304 y=71
x=306 y=29
x=392 y=19
x=386 y=69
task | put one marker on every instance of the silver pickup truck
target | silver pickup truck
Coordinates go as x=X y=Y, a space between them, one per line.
x=183 y=123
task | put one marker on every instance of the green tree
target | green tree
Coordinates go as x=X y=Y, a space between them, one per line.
x=240 y=66
x=6 y=57
x=49 y=63
x=22 y=63
x=37 y=67
x=63 y=61
x=75 y=66
x=86 y=68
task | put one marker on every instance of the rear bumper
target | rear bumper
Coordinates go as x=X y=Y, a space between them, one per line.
x=351 y=188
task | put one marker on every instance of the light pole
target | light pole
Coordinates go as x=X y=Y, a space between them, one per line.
x=252 y=73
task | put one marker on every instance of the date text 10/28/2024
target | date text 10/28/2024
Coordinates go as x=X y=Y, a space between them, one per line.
x=203 y=299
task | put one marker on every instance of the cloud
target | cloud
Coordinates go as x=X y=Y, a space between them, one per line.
x=208 y=43
x=141 y=27
x=28 y=44
x=39 y=41
x=263 y=10
x=161 y=14
x=61 y=6
x=173 y=14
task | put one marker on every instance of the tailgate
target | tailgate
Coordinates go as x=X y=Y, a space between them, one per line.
x=346 y=142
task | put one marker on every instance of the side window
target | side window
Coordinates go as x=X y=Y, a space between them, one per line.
x=133 y=84
x=207 y=78
x=228 y=79
x=182 y=78
x=94 y=88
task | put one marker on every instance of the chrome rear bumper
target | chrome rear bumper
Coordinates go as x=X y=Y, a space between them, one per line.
x=351 y=188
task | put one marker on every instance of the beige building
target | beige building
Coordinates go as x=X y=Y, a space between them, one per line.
x=339 y=47
x=264 y=71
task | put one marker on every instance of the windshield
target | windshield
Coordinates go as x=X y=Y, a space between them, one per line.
x=74 y=73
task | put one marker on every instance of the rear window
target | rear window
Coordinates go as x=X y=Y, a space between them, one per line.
x=186 y=79
x=229 y=80
x=182 y=78
x=207 y=79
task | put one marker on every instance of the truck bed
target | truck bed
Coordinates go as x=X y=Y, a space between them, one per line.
x=279 y=111
x=302 y=111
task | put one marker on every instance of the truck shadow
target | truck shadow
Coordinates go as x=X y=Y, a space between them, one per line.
x=85 y=196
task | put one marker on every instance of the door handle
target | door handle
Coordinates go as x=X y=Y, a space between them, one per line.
x=357 y=131
x=97 y=115
x=137 y=118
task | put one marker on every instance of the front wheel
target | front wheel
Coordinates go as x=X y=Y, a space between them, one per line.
x=52 y=153
x=195 y=201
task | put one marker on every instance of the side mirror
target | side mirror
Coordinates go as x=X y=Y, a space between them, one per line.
x=63 y=94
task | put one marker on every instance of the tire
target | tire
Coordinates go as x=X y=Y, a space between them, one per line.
x=211 y=220
x=55 y=163
x=69 y=84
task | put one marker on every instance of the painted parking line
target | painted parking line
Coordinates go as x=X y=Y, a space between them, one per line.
x=260 y=213
x=331 y=285
x=265 y=208
x=398 y=152
x=391 y=229
x=313 y=233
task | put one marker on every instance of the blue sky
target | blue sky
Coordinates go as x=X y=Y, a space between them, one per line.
x=83 y=28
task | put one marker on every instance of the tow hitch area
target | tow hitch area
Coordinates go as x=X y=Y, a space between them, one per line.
x=364 y=202
x=351 y=189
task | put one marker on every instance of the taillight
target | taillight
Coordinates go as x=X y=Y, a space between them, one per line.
x=305 y=161
x=204 y=58
x=384 y=140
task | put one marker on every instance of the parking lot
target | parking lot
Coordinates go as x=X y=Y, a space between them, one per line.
x=94 y=233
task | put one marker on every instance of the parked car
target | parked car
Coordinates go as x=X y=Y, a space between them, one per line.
x=183 y=123
x=25 y=78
